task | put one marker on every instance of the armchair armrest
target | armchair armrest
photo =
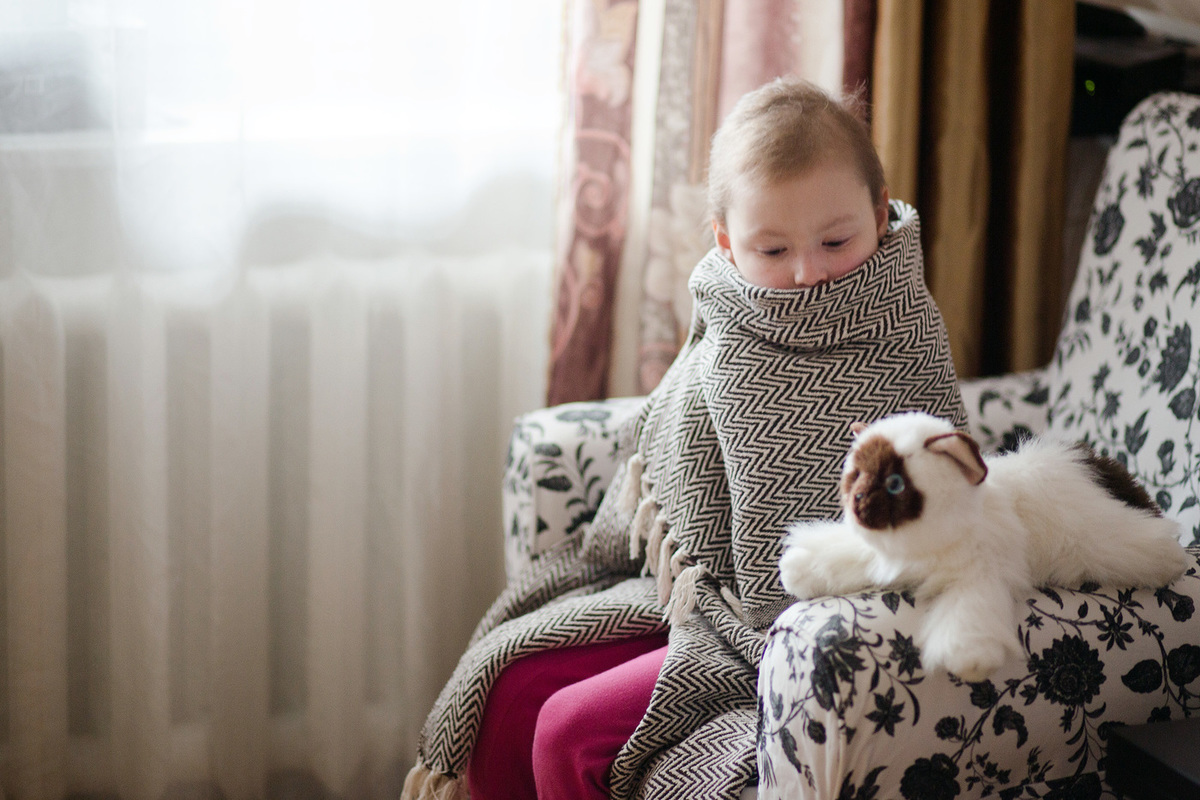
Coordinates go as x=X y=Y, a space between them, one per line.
x=560 y=462
x=848 y=710
x=1003 y=409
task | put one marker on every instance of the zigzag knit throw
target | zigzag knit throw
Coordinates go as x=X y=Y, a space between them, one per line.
x=746 y=433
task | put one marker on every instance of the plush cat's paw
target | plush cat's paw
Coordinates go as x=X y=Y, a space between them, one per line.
x=824 y=558
x=977 y=666
x=800 y=574
x=972 y=658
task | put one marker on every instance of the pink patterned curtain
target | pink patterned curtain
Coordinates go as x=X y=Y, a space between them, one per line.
x=633 y=220
x=594 y=198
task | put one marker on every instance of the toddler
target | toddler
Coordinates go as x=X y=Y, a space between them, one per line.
x=797 y=202
x=797 y=199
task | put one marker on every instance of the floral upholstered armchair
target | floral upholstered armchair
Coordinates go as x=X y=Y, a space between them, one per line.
x=847 y=710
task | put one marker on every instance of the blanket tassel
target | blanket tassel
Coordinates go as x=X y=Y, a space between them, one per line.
x=654 y=542
x=424 y=784
x=631 y=489
x=683 y=595
x=664 y=572
x=639 y=531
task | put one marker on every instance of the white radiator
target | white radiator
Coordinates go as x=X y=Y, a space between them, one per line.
x=247 y=528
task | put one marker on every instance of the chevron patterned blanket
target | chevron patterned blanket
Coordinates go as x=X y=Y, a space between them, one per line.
x=745 y=434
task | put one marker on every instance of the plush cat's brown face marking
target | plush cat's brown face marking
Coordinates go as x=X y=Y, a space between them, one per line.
x=877 y=489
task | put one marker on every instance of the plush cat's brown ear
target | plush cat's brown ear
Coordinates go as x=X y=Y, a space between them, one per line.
x=965 y=452
x=857 y=427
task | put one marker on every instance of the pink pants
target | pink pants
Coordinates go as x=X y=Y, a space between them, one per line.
x=554 y=721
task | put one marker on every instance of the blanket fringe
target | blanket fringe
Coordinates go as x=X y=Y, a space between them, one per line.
x=639 y=531
x=631 y=490
x=671 y=565
x=664 y=571
x=683 y=595
x=654 y=542
x=424 y=784
x=679 y=562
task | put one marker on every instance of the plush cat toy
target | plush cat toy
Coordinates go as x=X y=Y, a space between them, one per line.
x=924 y=510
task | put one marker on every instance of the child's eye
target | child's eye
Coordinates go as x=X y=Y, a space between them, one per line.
x=833 y=244
x=773 y=251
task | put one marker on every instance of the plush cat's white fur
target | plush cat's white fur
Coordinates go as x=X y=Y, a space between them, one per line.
x=989 y=530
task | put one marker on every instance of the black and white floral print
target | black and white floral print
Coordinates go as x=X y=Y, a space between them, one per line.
x=560 y=461
x=849 y=712
x=1005 y=409
x=1126 y=372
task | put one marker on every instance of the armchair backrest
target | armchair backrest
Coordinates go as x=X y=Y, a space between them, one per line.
x=1126 y=374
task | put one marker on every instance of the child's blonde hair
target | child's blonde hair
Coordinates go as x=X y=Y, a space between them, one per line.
x=781 y=129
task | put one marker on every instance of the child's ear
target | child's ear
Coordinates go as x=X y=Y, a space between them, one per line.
x=722 y=237
x=881 y=213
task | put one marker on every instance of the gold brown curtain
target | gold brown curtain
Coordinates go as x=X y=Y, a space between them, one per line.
x=971 y=117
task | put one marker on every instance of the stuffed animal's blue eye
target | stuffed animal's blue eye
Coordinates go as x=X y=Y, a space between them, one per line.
x=894 y=484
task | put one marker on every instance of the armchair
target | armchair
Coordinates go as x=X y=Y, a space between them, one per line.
x=847 y=711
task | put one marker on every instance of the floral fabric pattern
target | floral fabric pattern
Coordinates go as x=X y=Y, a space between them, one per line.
x=560 y=461
x=1126 y=374
x=1006 y=408
x=847 y=709
x=842 y=675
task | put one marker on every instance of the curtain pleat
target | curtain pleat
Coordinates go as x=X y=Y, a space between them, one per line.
x=684 y=109
x=955 y=177
x=896 y=93
x=593 y=198
x=760 y=43
x=706 y=83
x=1047 y=36
x=858 y=46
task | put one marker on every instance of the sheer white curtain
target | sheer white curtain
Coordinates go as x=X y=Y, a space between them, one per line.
x=274 y=279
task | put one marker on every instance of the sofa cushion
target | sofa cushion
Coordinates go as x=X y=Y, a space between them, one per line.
x=1125 y=376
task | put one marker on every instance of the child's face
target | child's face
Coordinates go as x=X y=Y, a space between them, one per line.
x=802 y=231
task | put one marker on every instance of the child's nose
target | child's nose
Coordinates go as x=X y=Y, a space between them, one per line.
x=810 y=272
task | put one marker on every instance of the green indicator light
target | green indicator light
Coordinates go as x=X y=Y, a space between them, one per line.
x=1090 y=86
